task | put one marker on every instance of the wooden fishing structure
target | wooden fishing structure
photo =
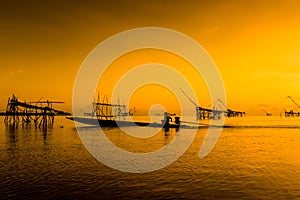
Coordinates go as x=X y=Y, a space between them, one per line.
x=40 y=112
x=108 y=111
x=292 y=113
x=215 y=113
x=267 y=114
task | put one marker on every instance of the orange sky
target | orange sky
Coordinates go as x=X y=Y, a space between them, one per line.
x=256 y=44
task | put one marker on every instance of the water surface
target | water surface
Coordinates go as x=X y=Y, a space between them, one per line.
x=257 y=160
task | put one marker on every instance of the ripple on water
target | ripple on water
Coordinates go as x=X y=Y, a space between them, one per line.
x=245 y=163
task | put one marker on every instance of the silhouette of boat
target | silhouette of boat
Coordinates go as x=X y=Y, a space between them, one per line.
x=121 y=123
x=110 y=115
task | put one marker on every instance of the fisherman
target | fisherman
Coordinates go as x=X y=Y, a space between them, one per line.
x=167 y=119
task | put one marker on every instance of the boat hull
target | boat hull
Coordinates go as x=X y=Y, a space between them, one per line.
x=115 y=123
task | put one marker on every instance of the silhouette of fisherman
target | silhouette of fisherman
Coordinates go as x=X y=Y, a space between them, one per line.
x=167 y=119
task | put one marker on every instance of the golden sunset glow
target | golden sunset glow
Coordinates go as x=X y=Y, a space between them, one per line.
x=254 y=44
x=151 y=94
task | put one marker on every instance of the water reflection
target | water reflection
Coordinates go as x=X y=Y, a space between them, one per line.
x=11 y=126
x=12 y=138
x=167 y=130
x=45 y=134
x=12 y=129
x=26 y=125
x=249 y=163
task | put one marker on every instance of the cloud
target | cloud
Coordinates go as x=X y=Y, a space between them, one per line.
x=284 y=79
x=11 y=74
x=268 y=74
x=287 y=74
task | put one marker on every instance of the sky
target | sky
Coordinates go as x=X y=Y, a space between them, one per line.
x=255 y=45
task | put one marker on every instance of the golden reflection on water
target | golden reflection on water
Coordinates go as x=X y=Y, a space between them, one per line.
x=140 y=145
x=254 y=163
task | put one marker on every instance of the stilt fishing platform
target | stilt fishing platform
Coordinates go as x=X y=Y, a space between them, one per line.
x=292 y=113
x=39 y=112
x=207 y=113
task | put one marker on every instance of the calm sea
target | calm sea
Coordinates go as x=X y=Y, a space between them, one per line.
x=259 y=159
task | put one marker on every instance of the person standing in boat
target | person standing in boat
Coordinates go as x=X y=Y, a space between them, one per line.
x=167 y=119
